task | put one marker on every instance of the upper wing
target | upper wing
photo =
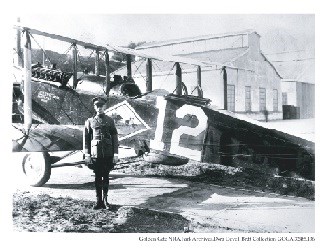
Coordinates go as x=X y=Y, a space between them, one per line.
x=110 y=47
x=61 y=38
x=167 y=58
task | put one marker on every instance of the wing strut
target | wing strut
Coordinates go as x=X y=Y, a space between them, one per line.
x=97 y=63
x=108 y=87
x=149 y=81
x=74 y=66
x=27 y=83
x=199 y=82
x=128 y=66
x=178 y=78
x=18 y=47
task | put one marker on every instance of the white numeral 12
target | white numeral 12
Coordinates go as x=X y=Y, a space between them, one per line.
x=157 y=143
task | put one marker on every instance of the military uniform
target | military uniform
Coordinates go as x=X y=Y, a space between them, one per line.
x=100 y=144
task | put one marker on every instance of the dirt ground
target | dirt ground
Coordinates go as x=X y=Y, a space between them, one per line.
x=150 y=198
x=43 y=213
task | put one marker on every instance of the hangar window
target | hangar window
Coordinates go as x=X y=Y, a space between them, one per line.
x=275 y=100
x=262 y=99
x=248 y=100
x=231 y=97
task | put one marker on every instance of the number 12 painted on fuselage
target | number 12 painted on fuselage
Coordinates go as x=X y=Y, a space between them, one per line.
x=185 y=137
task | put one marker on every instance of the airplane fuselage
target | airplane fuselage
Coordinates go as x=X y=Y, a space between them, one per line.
x=174 y=125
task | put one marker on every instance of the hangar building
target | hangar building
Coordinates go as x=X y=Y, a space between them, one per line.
x=253 y=84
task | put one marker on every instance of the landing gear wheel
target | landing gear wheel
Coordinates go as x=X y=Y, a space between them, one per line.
x=37 y=168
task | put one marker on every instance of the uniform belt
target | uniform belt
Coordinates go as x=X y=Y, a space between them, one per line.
x=99 y=137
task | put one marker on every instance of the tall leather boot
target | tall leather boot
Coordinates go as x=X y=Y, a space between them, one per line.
x=100 y=203
x=105 y=201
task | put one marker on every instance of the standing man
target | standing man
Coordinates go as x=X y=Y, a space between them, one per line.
x=100 y=145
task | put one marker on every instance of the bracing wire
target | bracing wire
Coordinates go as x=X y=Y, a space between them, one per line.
x=170 y=73
x=19 y=54
x=43 y=51
x=65 y=53
x=154 y=63
x=46 y=87
x=137 y=69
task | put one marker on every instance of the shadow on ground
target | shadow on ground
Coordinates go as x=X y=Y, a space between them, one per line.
x=81 y=186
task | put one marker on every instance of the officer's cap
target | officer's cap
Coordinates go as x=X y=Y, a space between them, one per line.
x=99 y=100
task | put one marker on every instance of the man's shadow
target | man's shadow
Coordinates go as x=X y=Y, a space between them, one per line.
x=91 y=185
x=82 y=186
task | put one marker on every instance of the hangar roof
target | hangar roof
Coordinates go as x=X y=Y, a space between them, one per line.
x=222 y=56
x=297 y=66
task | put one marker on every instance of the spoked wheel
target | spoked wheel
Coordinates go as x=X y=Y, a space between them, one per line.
x=37 y=168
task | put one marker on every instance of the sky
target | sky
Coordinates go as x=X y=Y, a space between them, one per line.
x=121 y=29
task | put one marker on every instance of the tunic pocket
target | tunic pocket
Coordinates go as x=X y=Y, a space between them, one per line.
x=94 y=148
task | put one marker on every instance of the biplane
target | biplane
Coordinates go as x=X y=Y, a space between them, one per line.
x=50 y=107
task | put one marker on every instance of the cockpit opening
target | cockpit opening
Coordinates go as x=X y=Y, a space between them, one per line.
x=130 y=89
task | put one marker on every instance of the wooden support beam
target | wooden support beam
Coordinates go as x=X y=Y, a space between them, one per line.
x=108 y=87
x=149 y=77
x=27 y=83
x=178 y=78
x=97 y=63
x=74 y=66
x=128 y=66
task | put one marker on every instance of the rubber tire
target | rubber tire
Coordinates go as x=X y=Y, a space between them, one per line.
x=37 y=168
